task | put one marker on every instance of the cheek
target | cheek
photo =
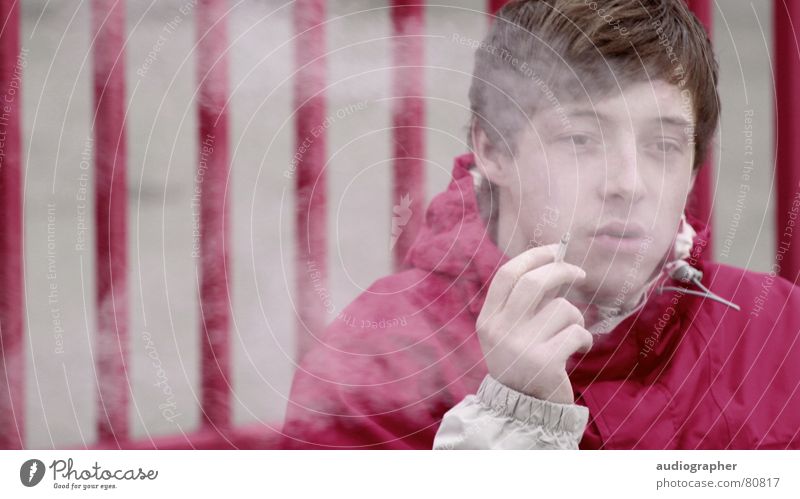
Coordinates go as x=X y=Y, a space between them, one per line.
x=554 y=208
x=672 y=203
x=534 y=187
x=540 y=219
x=667 y=220
x=670 y=181
x=667 y=193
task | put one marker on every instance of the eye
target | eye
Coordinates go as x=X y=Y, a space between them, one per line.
x=579 y=139
x=667 y=146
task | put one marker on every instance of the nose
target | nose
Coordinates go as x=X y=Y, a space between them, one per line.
x=624 y=182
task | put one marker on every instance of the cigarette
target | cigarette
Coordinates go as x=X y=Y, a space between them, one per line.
x=562 y=247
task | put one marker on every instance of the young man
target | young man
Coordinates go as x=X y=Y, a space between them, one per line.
x=558 y=297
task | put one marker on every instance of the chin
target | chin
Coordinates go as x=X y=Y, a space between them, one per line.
x=613 y=288
x=621 y=278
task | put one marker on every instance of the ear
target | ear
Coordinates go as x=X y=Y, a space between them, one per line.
x=488 y=158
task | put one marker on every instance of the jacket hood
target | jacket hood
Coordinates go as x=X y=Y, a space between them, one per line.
x=455 y=241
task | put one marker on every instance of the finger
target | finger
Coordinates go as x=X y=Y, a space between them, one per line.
x=555 y=316
x=556 y=292
x=572 y=339
x=531 y=287
x=507 y=275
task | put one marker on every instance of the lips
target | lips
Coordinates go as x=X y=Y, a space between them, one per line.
x=621 y=230
x=621 y=237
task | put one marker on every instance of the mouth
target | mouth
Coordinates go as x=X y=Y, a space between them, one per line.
x=622 y=230
x=621 y=237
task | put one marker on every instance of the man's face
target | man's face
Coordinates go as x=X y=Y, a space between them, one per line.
x=615 y=173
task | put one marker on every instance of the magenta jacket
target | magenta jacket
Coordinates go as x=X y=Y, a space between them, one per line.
x=684 y=372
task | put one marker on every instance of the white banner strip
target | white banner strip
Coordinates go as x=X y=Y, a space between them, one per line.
x=399 y=474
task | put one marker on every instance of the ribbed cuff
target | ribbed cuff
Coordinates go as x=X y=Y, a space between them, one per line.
x=530 y=410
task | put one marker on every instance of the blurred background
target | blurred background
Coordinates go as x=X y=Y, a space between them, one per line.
x=162 y=137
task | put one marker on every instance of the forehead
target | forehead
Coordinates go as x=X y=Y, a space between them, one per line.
x=636 y=103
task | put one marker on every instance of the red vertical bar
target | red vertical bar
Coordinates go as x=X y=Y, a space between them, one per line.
x=492 y=6
x=108 y=18
x=12 y=413
x=310 y=183
x=408 y=121
x=787 y=130
x=701 y=200
x=214 y=170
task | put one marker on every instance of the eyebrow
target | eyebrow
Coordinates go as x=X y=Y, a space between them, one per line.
x=674 y=120
x=669 y=120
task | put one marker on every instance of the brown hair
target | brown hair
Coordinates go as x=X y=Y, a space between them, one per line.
x=550 y=49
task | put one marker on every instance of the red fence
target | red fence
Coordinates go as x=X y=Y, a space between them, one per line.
x=111 y=201
x=408 y=117
x=12 y=328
